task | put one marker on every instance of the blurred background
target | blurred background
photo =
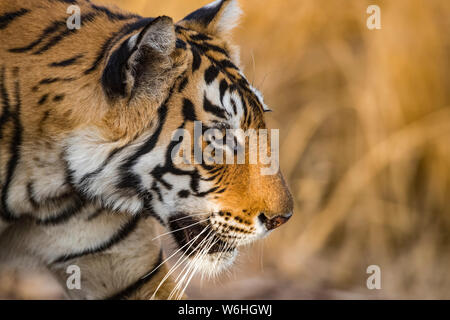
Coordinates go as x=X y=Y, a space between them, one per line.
x=364 y=119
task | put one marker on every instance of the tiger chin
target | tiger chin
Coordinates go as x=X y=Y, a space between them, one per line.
x=87 y=123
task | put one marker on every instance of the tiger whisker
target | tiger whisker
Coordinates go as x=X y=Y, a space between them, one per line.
x=189 y=265
x=223 y=251
x=195 y=252
x=177 y=263
x=173 y=231
x=183 y=258
x=182 y=275
x=194 y=266
x=194 y=272
x=173 y=254
x=189 y=216
x=226 y=247
x=190 y=262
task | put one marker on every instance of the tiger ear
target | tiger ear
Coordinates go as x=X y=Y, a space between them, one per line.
x=217 y=18
x=140 y=57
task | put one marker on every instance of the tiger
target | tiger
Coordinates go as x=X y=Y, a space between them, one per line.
x=87 y=172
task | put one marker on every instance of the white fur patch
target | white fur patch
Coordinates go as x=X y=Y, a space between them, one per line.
x=211 y=265
x=230 y=15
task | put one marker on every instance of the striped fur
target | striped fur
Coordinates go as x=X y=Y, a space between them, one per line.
x=86 y=121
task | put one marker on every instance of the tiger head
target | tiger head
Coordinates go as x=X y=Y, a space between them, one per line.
x=158 y=81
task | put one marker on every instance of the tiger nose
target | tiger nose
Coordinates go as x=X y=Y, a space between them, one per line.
x=274 y=222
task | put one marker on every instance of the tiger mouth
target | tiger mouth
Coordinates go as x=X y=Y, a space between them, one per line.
x=193 y=236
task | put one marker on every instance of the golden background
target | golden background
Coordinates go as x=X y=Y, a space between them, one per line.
x=364 y=119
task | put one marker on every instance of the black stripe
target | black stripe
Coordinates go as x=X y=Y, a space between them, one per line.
x=205 y=47
x=51 y=201
x=200 y=37
x=183 y=84
x=96 y=214
x=158 y=173
x=132 y=288
x=43 y=99
x=189 y=110
x=9 y=17
x=115 y=37
x=207 y=192
x=47 y=32
x=223 y=87
x=148 y=207
x=215 y=110
x=156 y=189
x=58 y=98
x=215 y=169
x=92 y=174
x=54 y=41
x=196 y=59
x=50 y=81
x=65 y=33
x=221 y=190
x=211 y=74
x=30 y=194
x=53 y=80
x=67 y=62
x=224 y=63
x=180 y=44
x=113 y=77
x=233 y=103
x=114 y=16
x=124 y=231
x=63 y=216
x=128 y=178
x=221 y=177
x=195 y=180
x=244 y=106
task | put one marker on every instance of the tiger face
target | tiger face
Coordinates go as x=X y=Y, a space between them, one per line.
x=162 y=79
